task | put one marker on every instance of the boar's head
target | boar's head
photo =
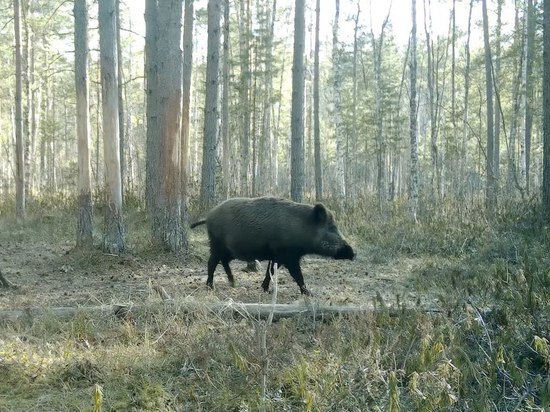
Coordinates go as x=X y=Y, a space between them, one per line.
x=328 y=240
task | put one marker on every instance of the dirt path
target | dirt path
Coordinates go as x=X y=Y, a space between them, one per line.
x=55 y=275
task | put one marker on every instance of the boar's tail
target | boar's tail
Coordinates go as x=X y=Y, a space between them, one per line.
x=200 y=222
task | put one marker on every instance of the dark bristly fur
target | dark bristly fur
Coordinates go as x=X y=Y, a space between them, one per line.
x=268 y=228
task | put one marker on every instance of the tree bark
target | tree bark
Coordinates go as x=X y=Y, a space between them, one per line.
x=20 y=208
x=340 y=189
x=529 y=90
x=297 y=110
x=113 y=240
x=546 y=108
x=167 y=225
x=316 y=121
x=208 y=188
x=120 y=91
x=226 y=144
x=85 y=213
x=186 y=90
x=413 y=125
x=245 y=79
x=490 y=198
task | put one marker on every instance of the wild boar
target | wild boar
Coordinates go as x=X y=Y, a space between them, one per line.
x=273 y=229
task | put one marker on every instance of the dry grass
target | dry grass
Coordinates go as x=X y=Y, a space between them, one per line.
x=487 y=349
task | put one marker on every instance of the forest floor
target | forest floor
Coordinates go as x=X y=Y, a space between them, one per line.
x=460 y=323
x=51 y=274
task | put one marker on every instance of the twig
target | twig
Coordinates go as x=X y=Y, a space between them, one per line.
x=272 y=270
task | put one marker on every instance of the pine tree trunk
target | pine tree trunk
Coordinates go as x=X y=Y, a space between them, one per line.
x=316 y=121
x=297 y=110
x=340 y=189
x=208 y=190
x=529 y=90
x=113 y=240
x=546 y=108
x=120 y=91
x=85 y=215
x=490 y=199
x=19 y=137
x=226 y=144
x=168 y=227
x=186 y=90
x=245 y=77
x=413 y=125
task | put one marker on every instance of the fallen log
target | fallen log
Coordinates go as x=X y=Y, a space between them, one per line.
x=246 y=310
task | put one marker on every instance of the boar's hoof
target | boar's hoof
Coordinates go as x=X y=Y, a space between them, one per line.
x=265 y=286
x=210 y=285
x=305 y=291
x=232 y=283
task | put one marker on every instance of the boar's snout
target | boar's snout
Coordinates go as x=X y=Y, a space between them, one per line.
x=345 y=252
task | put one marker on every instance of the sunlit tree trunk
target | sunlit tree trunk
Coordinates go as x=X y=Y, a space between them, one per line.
x=340 y=189
x=297 y=111
x=186 y=90
x=490 y=198
x=85 y=215
x=208 y=181
x=413 y=125
x=20 y=207
x=168 y=227
x=113 y=240
x=316 y=121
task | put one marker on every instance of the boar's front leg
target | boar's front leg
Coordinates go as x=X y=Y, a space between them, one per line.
x=296 y=273
x=269 y=274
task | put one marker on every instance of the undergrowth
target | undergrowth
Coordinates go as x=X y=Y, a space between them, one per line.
x=485 y=347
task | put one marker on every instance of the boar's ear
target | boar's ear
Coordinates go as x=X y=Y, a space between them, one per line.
x=320 y=214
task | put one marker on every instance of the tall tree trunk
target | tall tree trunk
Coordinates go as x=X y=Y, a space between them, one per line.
x=19 y=137
x=113 y=240
x=529 y=90
x=186 y=90
x=168 y=227
x=413 y=125
x=265 y=163
x=353 y=167
x=497 y=87
x=490 y=198
x=245 y=78
x=120 y=90
x=153 y=137
x=85 y=215
x=381 y=184
x=226 y=144
x=297 y=111
x=316 y=121
x=546 y=108
x=464 y=143
x=208 y=181
x=337 y=109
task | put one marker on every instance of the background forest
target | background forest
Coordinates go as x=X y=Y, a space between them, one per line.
x=423 y=124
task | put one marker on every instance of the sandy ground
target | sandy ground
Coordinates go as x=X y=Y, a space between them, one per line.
x=54 y=275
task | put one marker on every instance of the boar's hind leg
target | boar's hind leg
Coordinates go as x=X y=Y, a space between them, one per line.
x=212 y=263
x=268 y=274
x=296 y=273
x=225 y=264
